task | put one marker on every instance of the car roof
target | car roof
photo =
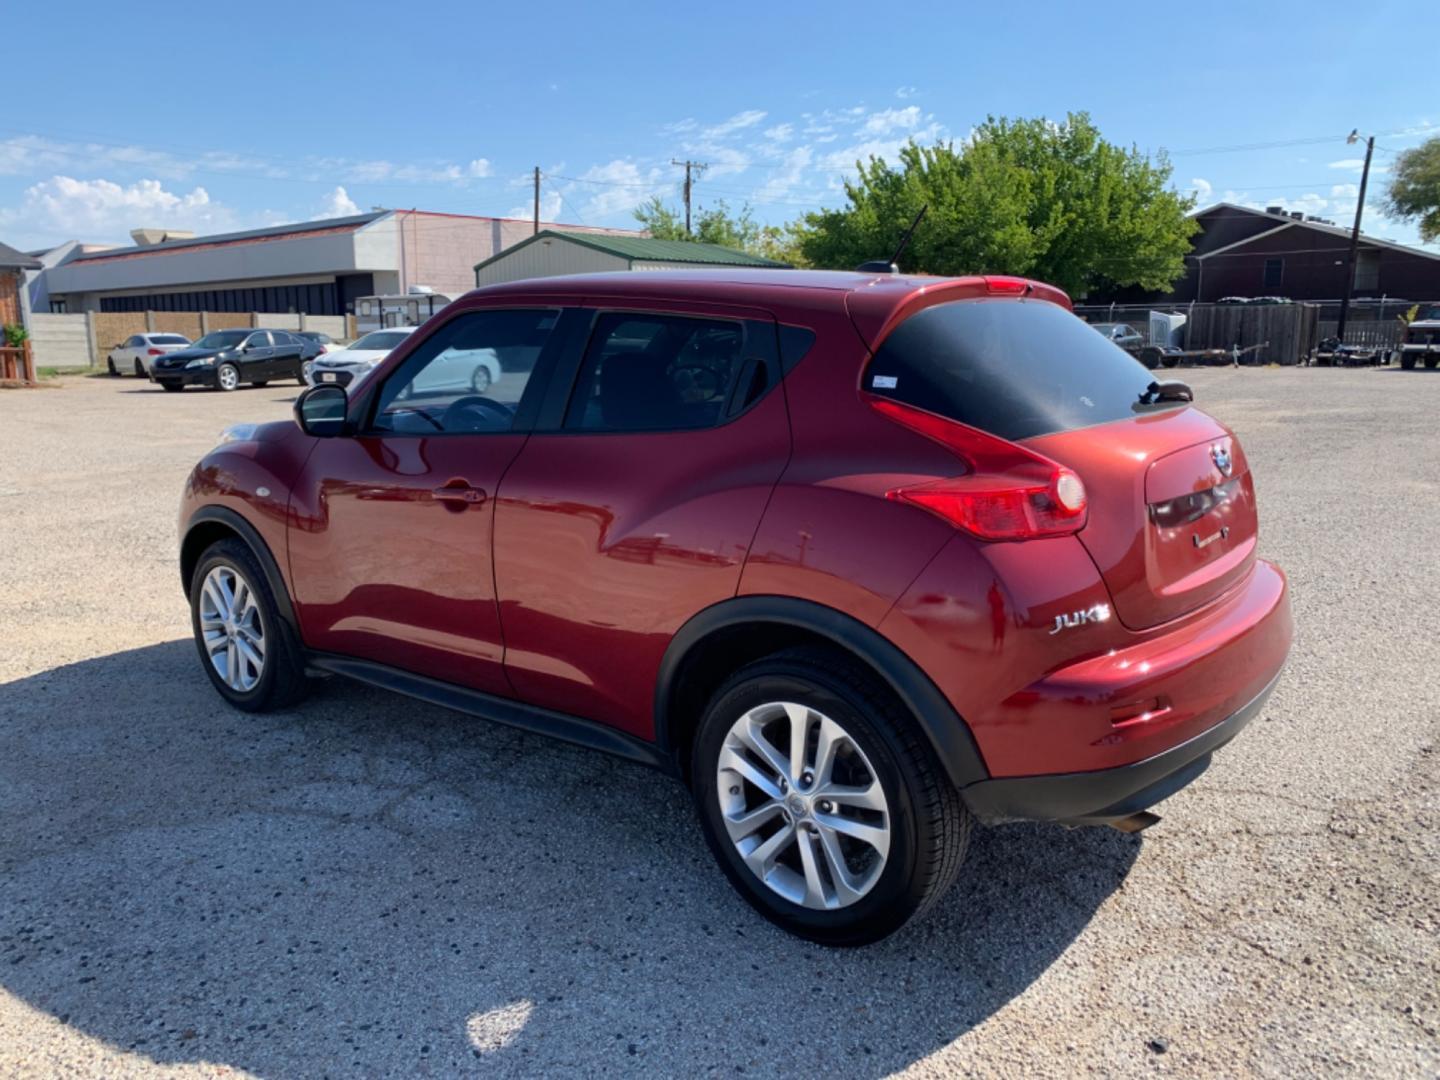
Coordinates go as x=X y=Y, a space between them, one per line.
x=873 y=300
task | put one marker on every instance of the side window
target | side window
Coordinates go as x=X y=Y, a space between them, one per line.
x=258 y=341
x=659 y=373
x=135 y=342
x=468 y=377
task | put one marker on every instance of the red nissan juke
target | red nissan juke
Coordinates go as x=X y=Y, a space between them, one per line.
x=862 y=558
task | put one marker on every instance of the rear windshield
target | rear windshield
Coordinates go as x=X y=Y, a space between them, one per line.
x=168 y=339
x=1014 y=368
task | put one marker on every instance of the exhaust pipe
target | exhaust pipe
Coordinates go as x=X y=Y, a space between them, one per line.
x=1136 y=822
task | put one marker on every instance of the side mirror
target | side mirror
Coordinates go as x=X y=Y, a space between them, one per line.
x=320 y=411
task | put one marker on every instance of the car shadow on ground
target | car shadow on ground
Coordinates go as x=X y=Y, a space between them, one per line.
x=368 y=885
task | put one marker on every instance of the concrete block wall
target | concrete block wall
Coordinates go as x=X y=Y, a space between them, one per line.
x=60 y=340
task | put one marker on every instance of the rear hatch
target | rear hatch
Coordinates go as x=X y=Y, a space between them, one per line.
x=1169 y=528
x=1172 y=520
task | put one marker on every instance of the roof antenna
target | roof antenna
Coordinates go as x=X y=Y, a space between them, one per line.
x=876 y=266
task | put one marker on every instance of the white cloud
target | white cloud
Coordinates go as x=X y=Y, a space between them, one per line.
x=1357 y=165
x=788 y=177
x=903 y=92
x=1202 y=188
x=1349 y=190
x=780 y=133
x=615 y=188
x=337 y=204
x=886 y=121
x=739 y=122
x=102 y=210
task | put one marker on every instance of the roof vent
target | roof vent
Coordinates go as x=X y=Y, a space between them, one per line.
x=1298 y=215
x=150 y=237
x=1274 y=210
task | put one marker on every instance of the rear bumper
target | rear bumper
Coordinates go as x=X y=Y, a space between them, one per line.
x=1095 y=798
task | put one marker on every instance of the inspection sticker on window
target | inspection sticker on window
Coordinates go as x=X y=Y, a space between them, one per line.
x=883 y=382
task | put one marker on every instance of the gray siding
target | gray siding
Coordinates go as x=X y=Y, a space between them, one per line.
x=554 y=259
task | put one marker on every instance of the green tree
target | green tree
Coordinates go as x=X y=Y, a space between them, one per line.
x=716 y=224
x=1050 y=201
x=1414 y=193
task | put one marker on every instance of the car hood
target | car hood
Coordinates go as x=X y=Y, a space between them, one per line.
x=343 y=357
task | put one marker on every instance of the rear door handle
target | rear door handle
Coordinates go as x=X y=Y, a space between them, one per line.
x=459 y=495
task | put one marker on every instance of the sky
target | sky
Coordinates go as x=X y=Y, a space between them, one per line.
x=216 y=117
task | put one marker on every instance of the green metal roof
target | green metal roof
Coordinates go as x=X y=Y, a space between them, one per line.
x=645 y=249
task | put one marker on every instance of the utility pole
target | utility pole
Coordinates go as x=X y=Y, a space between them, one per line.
x=698 y=167
x=1353 y=138
x=537 y=200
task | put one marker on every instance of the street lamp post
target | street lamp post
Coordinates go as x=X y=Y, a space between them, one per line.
x=1351 y=140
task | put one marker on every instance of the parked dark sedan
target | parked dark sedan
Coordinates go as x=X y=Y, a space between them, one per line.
x=224 y=359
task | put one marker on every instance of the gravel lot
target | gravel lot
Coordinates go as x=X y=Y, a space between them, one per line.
x=371 y=887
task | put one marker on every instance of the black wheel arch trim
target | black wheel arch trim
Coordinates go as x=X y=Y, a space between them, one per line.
x=232 y=520
x=946 y=731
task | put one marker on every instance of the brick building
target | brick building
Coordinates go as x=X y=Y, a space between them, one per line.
x=13 y=266
x=1246 y=252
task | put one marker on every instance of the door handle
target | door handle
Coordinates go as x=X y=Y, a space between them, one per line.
x=458 y=495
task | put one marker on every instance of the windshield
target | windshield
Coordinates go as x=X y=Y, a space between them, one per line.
x=222 y=339
x=380 y=341
x=1014 y=368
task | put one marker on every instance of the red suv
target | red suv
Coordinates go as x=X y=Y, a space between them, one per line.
x=863 y=558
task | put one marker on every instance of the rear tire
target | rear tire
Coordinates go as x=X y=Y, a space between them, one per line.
x=1431 y=359
x=925 y=825
x=172 y=387
x=230 y=637
x=261 y=382
x=139 y=370
x=110 y=364
x=1407 y=361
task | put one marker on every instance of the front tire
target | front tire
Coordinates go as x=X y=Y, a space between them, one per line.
x=822 y=801
x=227 y=377
x=245 y=647
x=110 y=364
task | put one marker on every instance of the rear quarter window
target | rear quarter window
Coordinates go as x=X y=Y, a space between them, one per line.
x=1014 y=368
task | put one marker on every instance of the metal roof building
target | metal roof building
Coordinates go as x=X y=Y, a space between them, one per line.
x=314 y=267
x=554 y=253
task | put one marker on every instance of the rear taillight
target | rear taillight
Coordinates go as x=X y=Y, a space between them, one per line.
x=1007 y=286
x=1011 y=493
x=154 y=352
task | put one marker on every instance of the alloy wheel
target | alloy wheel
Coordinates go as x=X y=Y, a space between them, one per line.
x=230 y=625
x=228 y=377
x=803 y=805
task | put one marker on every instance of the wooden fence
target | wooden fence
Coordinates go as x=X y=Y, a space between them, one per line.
x=17 y=365
x=1289 y=332
x=1367 y=333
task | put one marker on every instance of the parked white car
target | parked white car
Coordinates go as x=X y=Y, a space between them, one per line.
x=138 y=350
x=467 y=370
x=347 y=365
